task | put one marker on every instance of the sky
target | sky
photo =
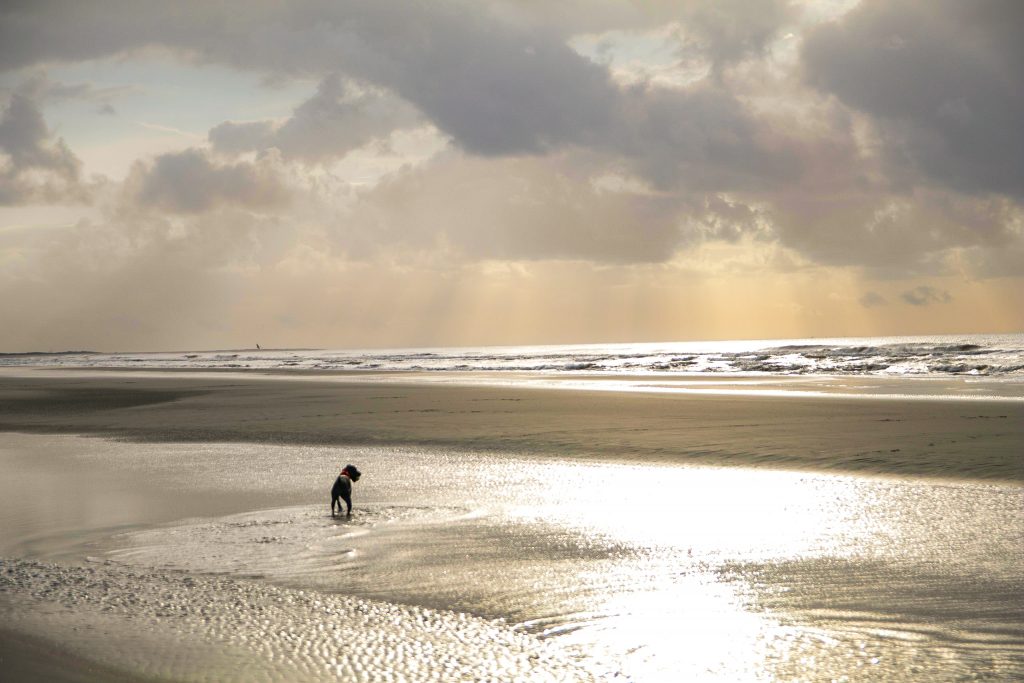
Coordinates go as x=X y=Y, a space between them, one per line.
x=341 y=174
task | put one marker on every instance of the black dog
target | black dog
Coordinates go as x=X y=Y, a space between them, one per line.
x=342 y=488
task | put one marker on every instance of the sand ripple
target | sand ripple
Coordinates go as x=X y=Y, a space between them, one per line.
x=199 y=628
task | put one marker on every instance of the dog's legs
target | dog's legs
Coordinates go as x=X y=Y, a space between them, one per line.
x=348 y=502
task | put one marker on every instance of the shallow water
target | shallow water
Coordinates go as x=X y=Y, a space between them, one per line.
x=509 y=566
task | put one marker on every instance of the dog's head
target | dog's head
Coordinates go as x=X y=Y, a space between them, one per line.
x=352 y=472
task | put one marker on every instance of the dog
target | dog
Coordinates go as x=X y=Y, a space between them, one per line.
x=342 y=489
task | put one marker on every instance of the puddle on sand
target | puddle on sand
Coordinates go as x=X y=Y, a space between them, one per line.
x=283 y=544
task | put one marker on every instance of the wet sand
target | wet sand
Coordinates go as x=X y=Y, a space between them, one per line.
x=948 y=439
x=24 y=658
x=221 y=471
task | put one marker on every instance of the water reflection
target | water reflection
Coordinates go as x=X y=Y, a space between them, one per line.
x=657 y=572
x=751 y=574
x=710 y=512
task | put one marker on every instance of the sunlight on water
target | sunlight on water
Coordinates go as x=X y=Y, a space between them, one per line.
x=644 y=572
x=651 y=570
x=690 y=625
x=991 y=356
x=708 y=511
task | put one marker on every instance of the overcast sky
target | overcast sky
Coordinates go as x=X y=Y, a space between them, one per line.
x=186 y=175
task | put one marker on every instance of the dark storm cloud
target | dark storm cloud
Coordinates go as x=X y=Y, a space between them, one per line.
x=190 y=182
x=497 y=85
x=325 y=127
x=943 y=80
x=925 y=296
x=34 y=166
x=703 y=138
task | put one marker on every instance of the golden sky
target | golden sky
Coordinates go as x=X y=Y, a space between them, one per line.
x=355 y=174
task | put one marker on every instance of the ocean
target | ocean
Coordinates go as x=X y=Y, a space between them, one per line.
x=993 y=356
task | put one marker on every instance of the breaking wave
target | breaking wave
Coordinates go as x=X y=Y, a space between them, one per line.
x=974 y=355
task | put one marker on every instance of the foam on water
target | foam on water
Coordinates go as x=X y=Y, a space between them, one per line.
x=995 y=356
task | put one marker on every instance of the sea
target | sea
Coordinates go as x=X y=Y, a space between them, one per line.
x=995 y=356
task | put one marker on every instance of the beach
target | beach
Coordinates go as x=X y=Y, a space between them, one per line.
x=175 y=525
x=674 y=341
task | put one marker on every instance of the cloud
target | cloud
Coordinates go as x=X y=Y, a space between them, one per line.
x=500 y=82
x=336 y=120
x=41 y=88
x=895 y=233
x=899 y=149
x=522 y=208
x=190 y=182
x=138 y=279
x=496 y=86
x=925 y=295
x=34 y=166
x=172 y=130
x=233 y=138
x=941 y=79
x=727 y=31
x=872 y=299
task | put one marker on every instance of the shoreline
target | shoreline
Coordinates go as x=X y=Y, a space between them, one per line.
x=843 y=386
